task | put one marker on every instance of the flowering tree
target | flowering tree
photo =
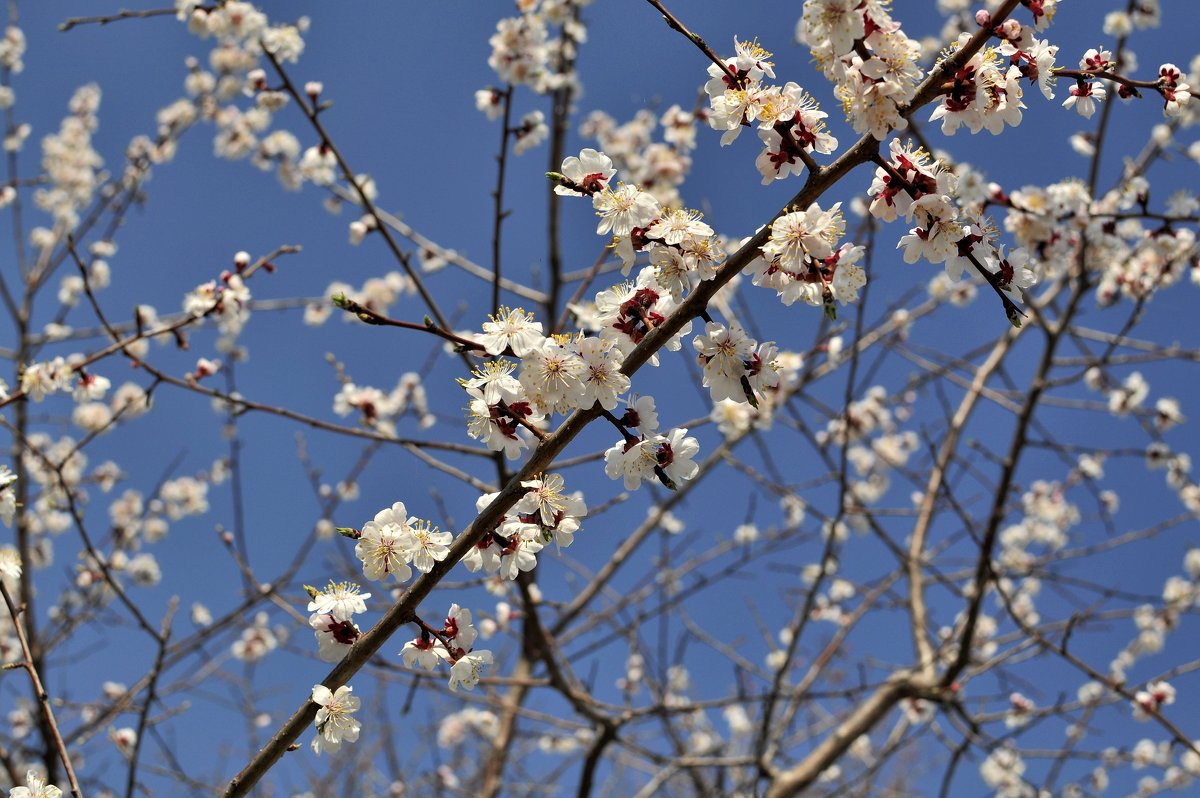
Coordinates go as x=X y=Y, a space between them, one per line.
x=714 y=525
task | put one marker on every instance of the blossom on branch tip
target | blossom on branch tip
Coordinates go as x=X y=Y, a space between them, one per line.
x=735 y=101
x=488 y=101
x=1014 y=271
x=1175 y=93
x=583 y=176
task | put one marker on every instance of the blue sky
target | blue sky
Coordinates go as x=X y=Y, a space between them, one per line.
x=401 y=78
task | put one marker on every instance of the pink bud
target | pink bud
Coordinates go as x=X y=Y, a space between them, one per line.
x=983 y=18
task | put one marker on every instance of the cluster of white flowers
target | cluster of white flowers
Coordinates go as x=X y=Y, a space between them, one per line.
x=925 y=191
x=60 y=468
x=333 y=610
x=38 y=380
x=657 y=167
x=983 y=94
x=389 y=542
x=564 y=373
x=1153 y=623
x=524 y=52
x=227 y=300
x=12 y=49
x=452 y=644
x=872 y=63
x=258 y=639
x=864 y=416
x=736 y=417
x=1176 y=93
x=735 y=366
x=239 y=24
x=544 y=514
x=1136 y=261
x=1048 y=516
x=874 y=463
x=790 y=123
x=803 y=259
x=453 y=728
x=1003 y=770
x=1085 y=96
x=519 y=52
x=70 y=162
x=667 y=458
x=1127 y=398
x=241 y=34
x=380 y=410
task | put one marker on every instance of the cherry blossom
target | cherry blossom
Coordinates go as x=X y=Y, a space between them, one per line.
x=468 y=668
x=1084 y=98
x=381 y=545
x=342 y=600
x=584 y=176
x=333 y=721
x=35 y=786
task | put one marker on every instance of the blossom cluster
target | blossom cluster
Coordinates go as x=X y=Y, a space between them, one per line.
x=791 y=124
x=873 y=64
x=544 y=514
x=658 y=167
x=803 y=259
x=453 y=644
x=392 y=544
